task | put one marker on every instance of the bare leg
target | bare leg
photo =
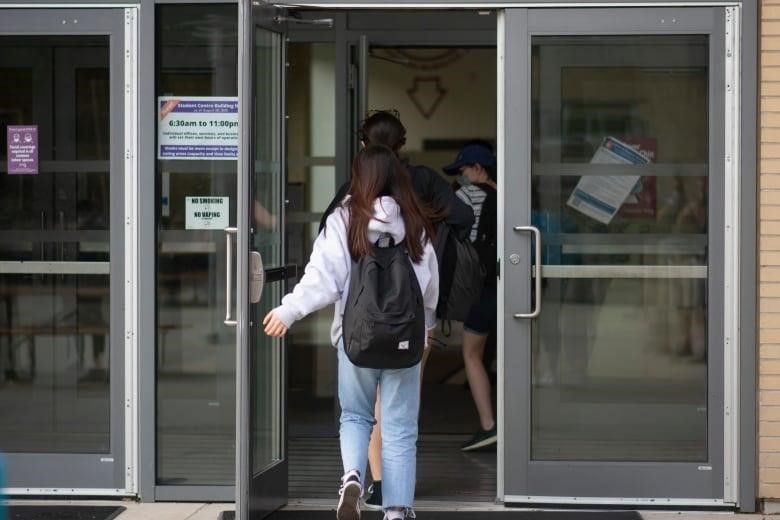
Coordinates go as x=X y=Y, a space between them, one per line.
x=473 y=350
x=375 y=444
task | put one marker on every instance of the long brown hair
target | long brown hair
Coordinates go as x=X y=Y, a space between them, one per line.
x=377 y=172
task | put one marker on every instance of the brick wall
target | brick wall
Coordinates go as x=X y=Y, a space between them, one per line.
x=769 y=246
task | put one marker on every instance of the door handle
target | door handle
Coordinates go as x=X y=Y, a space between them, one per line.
x=256 y=276
x=62 y=242
x=261 y=275
x=43 y=240
x=537 y=271
x=229 y=276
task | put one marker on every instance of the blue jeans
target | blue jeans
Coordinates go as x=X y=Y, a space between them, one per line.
x=400 y=390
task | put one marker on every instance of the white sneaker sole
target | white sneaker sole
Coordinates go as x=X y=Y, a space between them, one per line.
x=481 y=444
x=372 y=507
x=349 y=504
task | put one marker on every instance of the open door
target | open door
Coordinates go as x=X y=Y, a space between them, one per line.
x=261 y=447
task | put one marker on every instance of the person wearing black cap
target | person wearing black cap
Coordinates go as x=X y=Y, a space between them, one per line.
x=476 y=165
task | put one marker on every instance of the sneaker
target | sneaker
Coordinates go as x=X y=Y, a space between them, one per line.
x=349 y=500
x=392 y=514
x=481 y=439
x=374 y=501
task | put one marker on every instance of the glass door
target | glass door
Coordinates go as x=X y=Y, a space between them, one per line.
x=61 y=290
x=614 y=189
x=261 y=480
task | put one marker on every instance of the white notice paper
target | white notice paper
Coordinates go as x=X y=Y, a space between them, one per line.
x=197 y=128
x=600 y=196
x=207 y=212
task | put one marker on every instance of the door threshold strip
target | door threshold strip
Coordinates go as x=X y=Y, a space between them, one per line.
x=304 y=504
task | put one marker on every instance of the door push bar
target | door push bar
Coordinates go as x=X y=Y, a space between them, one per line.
x=537 y=271
x=276 y=274
x=259 y=275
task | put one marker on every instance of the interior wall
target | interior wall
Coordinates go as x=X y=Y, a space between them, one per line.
x=444 y=96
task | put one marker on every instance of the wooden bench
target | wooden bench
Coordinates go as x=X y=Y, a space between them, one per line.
x=31 y=332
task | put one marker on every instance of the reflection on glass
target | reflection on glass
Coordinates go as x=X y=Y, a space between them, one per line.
x=619 y=191
x=266 y=390
x=195 y=350
x=55 y=325
x=311 y=184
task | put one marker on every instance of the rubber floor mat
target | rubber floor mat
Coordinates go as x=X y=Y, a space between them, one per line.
x=63 y=512
x=507 y=514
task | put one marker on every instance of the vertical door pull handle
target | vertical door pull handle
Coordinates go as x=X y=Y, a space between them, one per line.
x=229 y=231
x=43 y=228
x=537 y=271
x=62 y=240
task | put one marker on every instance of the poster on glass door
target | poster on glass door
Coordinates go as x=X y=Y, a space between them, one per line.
x=601 y=196
x=22 y=149
x=197 y=128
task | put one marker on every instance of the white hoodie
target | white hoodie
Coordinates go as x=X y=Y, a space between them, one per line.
x=326 y=277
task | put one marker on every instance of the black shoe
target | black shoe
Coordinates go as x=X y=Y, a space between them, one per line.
x=482 y=439
x=374 y=501
x=349 y=501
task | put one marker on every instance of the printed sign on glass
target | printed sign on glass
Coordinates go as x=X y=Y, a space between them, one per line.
x=22 y=149
x=207 y=212
x=197 y=128
x=601 y=196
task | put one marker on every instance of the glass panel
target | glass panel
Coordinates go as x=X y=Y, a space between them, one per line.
x=55 y=326
x=195 y=350
x=619 y=191
x=311 y=185
x=265 y=392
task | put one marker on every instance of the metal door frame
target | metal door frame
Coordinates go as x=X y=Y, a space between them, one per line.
x=740 y=269
x=255 y=492
x=515 y=99
x=120 y=24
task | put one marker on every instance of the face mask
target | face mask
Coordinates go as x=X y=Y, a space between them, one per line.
x=464 y=180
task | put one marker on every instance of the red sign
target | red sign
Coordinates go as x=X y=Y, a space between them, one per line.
x=642 y=201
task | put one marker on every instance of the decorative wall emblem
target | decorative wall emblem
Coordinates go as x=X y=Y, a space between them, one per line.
x=427 y=93
x=424 y=59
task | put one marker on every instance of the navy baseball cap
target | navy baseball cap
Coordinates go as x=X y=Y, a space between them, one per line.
x=471 y=154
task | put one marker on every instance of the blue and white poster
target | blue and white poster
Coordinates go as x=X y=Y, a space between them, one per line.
x=197 y=128
x=601 y=196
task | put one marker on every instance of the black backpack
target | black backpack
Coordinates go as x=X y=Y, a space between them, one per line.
x=384 y=316
x=487 y=231
x=461 y=274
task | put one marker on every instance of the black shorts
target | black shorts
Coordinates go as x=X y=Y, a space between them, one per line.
x=482 y=317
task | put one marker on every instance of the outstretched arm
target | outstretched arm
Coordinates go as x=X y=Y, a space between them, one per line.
x=323 y=280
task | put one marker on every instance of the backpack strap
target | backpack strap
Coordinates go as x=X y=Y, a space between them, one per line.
x=385 y=240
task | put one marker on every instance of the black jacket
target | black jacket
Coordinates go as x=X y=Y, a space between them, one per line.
x=487 y=234
x=432 y=190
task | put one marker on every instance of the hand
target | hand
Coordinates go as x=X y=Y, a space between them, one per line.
x=274 y=326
